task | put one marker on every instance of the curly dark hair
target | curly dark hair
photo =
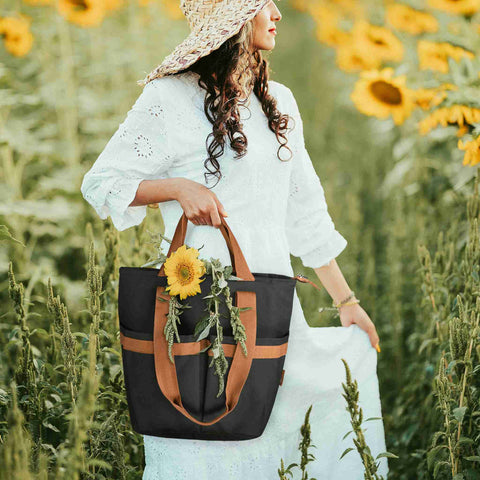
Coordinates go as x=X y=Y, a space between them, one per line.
x=227 y=72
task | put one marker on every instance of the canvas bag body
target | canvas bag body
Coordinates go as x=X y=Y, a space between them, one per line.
x=151 y=412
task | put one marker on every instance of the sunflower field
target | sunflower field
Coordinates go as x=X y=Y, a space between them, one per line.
x=390 y=98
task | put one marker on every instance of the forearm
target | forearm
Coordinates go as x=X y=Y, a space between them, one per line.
x=333 y=280
x=155 y=191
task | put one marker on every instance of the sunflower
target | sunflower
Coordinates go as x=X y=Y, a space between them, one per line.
x=171 y=7
x=465 y=7
x=86 y=13
x=454 y=115
x=410 y=20
x=472 y=151
x=183 y=269
x=434 y=55
x=39 y=2
x=377 y=41
x=16 y=34
x=427 y=98
x=352 y=59
x=332 y=36
x=112 y=5
x=349 y=8
x=379 y=94
x=324 y=15
x=327 y=30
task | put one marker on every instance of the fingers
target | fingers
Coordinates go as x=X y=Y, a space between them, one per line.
x=220 y=207
x=215 y=218
x=373 y=336
x=211 y=217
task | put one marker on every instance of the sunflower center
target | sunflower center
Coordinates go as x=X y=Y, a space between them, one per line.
x=184 y=273
x=377 y=40
x=386 y=92
x=78 y=5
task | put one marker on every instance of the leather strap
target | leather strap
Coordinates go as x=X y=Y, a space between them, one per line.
x=194 y=348
x=165 y=370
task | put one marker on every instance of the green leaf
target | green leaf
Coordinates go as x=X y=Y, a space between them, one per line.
x=345 y=452
x=6 y=235
x=386 y=454
x=50 y=426
x=204 y=333
x=432 y=454
x=459 y=413
x=465 y=440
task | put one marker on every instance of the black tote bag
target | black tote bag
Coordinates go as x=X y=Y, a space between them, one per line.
x=180 y=400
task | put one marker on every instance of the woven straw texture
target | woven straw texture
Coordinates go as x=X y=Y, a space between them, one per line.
x=211 y=23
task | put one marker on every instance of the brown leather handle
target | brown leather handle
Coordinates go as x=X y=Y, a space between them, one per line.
x=165 y=370
x=238 y=261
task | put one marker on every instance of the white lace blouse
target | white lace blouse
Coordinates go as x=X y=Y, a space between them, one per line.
x=274 y=207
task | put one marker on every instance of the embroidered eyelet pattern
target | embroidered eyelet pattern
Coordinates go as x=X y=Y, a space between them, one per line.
x=123 y=132
x=156 y=110
x=293 y=189
x=142 y=146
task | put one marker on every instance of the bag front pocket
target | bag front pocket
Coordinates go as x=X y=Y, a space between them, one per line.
x=150 y=412
x=250 y=416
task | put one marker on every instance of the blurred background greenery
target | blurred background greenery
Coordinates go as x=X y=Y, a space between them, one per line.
x=389 y=95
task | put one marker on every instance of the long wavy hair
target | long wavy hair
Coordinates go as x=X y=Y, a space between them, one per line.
x=233 y=70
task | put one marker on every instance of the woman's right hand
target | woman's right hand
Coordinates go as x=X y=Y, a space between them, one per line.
x=200 y=204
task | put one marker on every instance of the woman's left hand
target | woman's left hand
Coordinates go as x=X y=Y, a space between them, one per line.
x=356 y=314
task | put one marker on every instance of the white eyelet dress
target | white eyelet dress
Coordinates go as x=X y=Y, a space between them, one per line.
x=275 y=208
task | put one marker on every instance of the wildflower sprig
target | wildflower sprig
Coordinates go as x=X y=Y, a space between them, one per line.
x=351 y=396
x=184 y=271
x=173 y=317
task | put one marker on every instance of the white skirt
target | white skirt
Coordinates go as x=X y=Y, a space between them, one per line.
x=313 y=375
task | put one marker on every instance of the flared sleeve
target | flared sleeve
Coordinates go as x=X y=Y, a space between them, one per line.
x=310 y=230
x=140 y=149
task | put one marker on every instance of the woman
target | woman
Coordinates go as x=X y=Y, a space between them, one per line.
x=266 y=185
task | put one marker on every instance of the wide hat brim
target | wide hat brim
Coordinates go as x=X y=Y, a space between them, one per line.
x=225 y=20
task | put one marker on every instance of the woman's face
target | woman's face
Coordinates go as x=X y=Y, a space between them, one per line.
x=263 y=23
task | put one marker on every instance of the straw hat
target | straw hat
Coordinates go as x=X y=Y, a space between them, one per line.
x=211 y=23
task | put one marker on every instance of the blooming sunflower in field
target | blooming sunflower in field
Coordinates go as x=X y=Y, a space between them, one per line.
x=377 y=41
x=172 y=7
x=472 y=151
x=350 y=58
x=465 y=7
x=427 y=98
x=332 y=35
x=408 y=19
x=85 y=13
x=183 y=269
x=113 y=5
x=380 y=94
x=324 y=14
x=327 y=30
x=16 y=35
x=434 y=55
x=39 y=2
x=460 y=115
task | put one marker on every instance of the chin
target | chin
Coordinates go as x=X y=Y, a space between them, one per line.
x=270 y=45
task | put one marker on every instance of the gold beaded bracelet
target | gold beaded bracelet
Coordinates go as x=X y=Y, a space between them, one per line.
x=345 y=301
x=336 y=306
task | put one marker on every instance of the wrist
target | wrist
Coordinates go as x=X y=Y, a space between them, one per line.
x=348 y=300
x=177 y=185
x=353 y=302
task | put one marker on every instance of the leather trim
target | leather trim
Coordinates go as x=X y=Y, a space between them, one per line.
x=192 y=348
